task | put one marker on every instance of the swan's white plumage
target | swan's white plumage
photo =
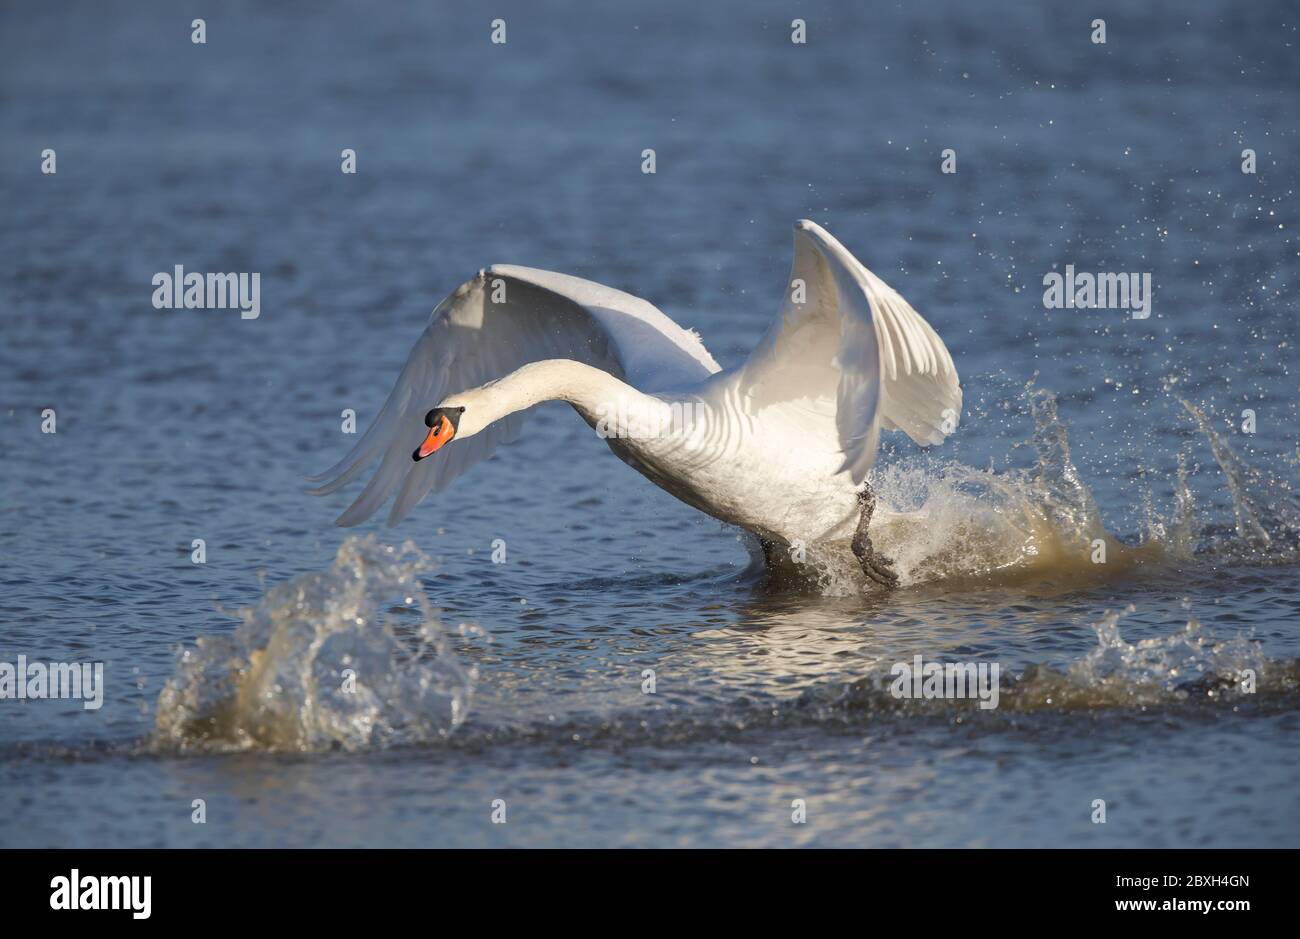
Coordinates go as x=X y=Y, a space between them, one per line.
x=782 y=442
x=472 y=340
x=654 y=351
x=856 y=346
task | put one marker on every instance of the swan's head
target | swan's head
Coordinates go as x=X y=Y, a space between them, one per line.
x=444 y=424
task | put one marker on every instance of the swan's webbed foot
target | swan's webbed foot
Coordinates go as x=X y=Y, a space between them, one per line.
x=876 y=566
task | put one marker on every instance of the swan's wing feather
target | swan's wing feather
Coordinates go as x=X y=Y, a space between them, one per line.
x=471 y=340
x=655 y=352
x=854 y=341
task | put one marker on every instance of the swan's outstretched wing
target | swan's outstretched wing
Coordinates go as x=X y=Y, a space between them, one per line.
x=855 y=351
x=471 y=339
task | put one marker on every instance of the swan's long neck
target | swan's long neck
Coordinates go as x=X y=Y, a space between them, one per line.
x=590 y=391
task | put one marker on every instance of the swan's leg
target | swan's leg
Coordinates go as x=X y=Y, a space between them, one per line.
x=876 y=566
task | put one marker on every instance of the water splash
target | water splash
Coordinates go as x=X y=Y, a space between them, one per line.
x=1265 y=508
x=950 y=522
x=1189 y=667
x=1061 y=494
x=1170 y=663
x=1178 y=533
x=323 y=661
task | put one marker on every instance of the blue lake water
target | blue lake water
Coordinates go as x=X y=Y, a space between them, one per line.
x=523 y=681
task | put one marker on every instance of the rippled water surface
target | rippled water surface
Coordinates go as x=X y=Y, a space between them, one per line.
x=1164 y=681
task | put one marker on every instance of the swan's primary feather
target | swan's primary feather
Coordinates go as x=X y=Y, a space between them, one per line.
x=853 y=351
x=472 y=340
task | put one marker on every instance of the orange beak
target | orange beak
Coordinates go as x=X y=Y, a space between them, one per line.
x=439 y=434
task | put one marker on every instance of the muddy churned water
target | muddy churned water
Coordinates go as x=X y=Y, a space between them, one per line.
x=1104 y=555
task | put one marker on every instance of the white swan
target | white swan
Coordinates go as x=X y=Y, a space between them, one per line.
x=779 y=446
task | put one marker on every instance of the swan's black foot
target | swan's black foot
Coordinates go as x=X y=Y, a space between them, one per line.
x=876 y=566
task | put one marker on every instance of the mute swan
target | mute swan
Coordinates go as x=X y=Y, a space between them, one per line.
x=779 y=445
